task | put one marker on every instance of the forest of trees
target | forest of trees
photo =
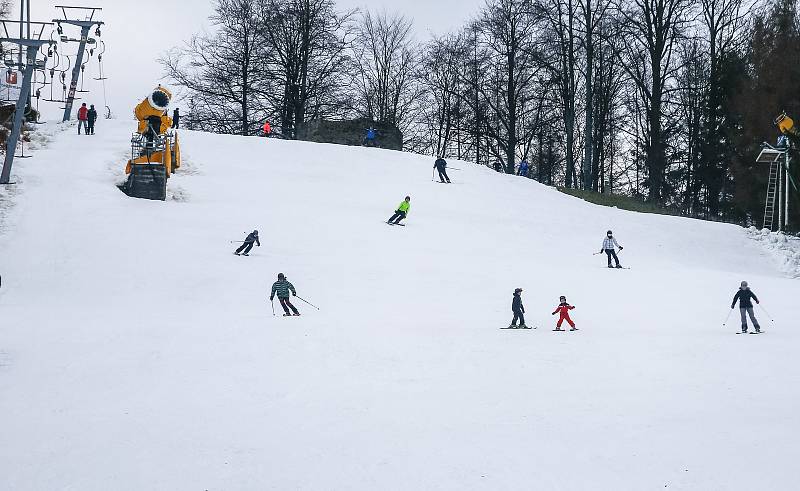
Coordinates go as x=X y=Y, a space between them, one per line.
x=665 y=101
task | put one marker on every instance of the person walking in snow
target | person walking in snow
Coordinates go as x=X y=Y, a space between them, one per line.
x=609 y=243
x=744 y=296
x=518 y=310
x=91 y=117
x=372 y=135
x=176 y=118
x=441 y=166
x=563 y=314
x=523 y=169
x=401 y=212
x=282 y=288
x=252 y=237
x=83 y=118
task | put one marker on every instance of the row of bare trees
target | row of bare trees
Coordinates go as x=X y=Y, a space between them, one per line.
x=641 y=97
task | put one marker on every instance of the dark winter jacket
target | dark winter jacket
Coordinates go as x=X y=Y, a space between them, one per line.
x=743 y=296
x=92 y=115
x=282 y=288
x=516 y=304
x=253 y=237
x=440 y=164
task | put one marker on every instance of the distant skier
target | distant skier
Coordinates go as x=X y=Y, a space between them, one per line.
x=91 y=117
x=83 y=118
x=608 y=247
x=498 y=166
x=371 y=136
x=266 y=129
x=252 y=238
x=523 y=169
x=563 y=311
x=282 y=288
x=441 y=167
x=176 y=118
x=401 y=212
x=518 y=309
x=744 y=295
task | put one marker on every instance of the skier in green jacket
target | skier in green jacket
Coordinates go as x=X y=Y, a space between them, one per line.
x=282 y=288
x=401 y=212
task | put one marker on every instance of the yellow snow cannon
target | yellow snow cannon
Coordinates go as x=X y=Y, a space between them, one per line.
x=786 y=125
x=155 y=150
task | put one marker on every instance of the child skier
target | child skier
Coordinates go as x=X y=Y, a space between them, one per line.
x=563 y=311
x=401 y=212
x=282 y=288
x=518 y=309
x=746 y=306
x=248 y=244
x=608 y=247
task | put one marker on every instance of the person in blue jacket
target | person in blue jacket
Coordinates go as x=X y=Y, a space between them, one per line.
x=372 y=134
x=523 y=169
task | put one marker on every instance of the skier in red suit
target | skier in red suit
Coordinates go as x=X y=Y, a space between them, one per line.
x=563 y=311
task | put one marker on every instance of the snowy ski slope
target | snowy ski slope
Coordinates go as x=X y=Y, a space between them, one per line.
x=137 y=352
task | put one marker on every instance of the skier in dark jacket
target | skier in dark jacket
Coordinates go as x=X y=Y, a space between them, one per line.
x=282 y=288
x=248 y=244
x=523 y=169
x=176 y=118
x=91 y=117
x=744 y=295
x=441 y=167
x=518 y=309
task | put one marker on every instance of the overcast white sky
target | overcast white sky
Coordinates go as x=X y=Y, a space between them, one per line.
x=133 y=43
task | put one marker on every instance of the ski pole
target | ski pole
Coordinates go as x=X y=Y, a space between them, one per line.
x=306 y=301
x=727 y=317
x=765 y=311
x=453 y=168
x=237 y=242
x=596 y=253
x=432 y=172
x=272 y=302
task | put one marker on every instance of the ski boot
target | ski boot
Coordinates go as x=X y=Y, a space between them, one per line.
x=236 y=253
x=573 y=328
x=619 y=267
x=610 y=266
x=512 y=326
x=297 y=314
x=245 y=254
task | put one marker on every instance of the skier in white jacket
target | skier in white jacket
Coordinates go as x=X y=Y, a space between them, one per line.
x=609 y=243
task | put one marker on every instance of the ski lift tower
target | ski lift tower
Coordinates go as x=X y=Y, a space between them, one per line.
x=85 y=24
x=32 y=42
x=777 y=191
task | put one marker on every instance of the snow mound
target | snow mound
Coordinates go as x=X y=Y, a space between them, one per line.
x=784 y=248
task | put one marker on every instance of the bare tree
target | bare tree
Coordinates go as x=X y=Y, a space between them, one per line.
x=224 y=71
x=653 y=29
x=385 y=62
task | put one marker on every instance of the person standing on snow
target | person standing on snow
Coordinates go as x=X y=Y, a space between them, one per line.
x=282 y=288
x=518 y=309
x=91 y=117
x=266 y=129
x=401 y=212
x=248 y=243
x=744 y=295
x=563 y=311
x=441 y=166
x=608 y=247
x=372 y=135
x=498 y=166
x=176 y=118
x=83 y=118
x=523 y=169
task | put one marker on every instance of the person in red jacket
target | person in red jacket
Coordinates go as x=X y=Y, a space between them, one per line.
x=563 y=311
x=266 y=128
x=83 y=118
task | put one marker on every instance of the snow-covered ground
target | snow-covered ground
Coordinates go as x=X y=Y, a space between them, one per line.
x=137 y=352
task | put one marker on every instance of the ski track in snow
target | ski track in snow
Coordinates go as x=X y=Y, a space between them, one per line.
x=137 y=352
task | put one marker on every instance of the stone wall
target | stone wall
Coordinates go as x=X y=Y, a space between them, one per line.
x=350 y=132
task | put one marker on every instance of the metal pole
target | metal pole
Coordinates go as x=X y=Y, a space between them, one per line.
x=11 y=144
x=786 y=196
x=780 y=198
x=76 y=71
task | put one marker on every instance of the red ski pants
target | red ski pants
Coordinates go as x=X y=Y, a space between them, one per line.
x=565 y=317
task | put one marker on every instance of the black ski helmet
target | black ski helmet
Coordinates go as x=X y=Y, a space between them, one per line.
x=609 y=233
x=281 y=276
x=255 y=232
x=518 y=290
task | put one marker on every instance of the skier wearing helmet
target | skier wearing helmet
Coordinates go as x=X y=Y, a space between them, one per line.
x=609 y=243
x=746 y=306
x=282 y=287
x=248 y=244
